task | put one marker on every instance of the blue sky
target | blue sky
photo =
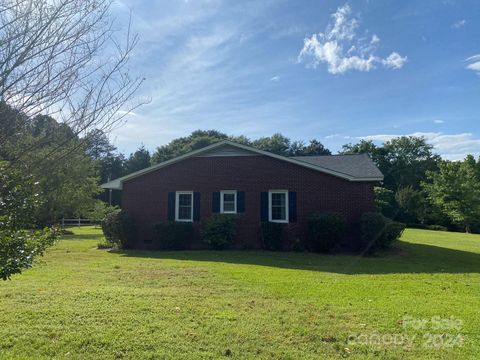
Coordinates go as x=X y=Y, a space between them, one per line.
x=332 y=70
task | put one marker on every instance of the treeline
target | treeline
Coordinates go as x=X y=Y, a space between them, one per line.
x=419 y=186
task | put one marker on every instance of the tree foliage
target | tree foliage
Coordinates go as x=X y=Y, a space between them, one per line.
x=20 y=243
x=277 y=144
x=455 y=188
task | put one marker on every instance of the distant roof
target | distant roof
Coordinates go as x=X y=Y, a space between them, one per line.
x=349 y=167
x=356 y=165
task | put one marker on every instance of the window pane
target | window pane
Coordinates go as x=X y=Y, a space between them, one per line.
x=228 y=197
x=184 y=212
x=229 y=206
x=184 y=199
x=278 y=199
x=278 y=213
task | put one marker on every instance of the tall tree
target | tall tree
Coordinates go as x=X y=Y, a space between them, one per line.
x=403 y=161
x=277 y=144
x=196 y=140
x=64 y=58
x=139 y=160
x=455 y=188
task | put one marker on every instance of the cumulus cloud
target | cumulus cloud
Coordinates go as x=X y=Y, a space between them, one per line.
x=474 y=63
x=275 y=78
x=459 y=24
x=329 y=47
x=450 y=146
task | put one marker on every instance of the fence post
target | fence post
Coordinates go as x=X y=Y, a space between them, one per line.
x=63 y=222
x=78 y=221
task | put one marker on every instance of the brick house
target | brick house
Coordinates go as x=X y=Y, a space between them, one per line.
x=256 y=185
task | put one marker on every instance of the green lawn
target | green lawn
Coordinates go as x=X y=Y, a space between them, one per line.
x=79 y=303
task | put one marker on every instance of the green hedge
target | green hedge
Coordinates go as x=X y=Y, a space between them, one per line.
x=219 y=231
x=119 y=229
x=172 y=235
x=325 y=231
x=379 y=232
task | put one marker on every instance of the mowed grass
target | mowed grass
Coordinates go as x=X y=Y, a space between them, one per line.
x=82 y=303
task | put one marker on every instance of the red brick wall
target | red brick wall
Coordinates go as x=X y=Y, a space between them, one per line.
x=145 y=197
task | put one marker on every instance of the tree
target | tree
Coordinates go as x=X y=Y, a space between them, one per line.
x=196 y=140
x=315 y=147
x=277 y=144
x=139 y=160
x=403 y=161
x=20 y=243
x=408 y=158
x=412 y=203
x=64 y=58
x=455 y=188
x=385 y=201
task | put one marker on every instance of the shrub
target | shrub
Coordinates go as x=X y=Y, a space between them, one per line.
x=272 y=234
x=219 y=231
x=393 y=231
x=379 y=232
x=325 y=231
x=119 y=229
x=172 y=235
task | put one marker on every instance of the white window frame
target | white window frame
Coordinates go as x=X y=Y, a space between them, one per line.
x=229 y=192
x=270 y=192
x=177 y=205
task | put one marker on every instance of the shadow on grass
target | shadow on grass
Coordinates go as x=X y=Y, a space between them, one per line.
x=82 y=237
x=410 y=258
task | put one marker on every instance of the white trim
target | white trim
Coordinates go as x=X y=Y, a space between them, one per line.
x=117 y=183
x=177 y=203
x=223 y=192
x=287 y=218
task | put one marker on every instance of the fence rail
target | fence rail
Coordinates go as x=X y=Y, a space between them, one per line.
x=77 y=222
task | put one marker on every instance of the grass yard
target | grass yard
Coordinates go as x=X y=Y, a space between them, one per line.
x=82 y=303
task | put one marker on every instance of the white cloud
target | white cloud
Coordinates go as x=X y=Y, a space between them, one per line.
x=328 y=47
x=125 y=112
x=375 y=39
x=459 y=24
x=394 y=61
x=438 y=121
x=275 y=78
x=450 y=146
x=474 y=63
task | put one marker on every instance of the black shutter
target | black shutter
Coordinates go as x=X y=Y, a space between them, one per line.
x=171 y=206
x=264 y=206
x=196 y=206
x=216 y=202
x=292 y=206
x=240 y=201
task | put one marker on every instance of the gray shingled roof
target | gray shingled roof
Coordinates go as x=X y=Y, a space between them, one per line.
x=355 y=165
x=349 y=167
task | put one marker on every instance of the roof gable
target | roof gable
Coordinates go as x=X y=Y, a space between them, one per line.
x=351 y=170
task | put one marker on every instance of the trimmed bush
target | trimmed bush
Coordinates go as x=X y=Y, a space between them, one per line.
x=272 y=234
x=325 y=231
x=119 y=230
x=172 y=235
x=379 y=232
x=219 y=231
